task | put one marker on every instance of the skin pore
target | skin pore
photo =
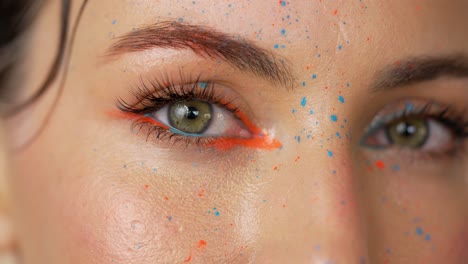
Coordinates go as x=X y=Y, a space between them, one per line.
x=317 y=81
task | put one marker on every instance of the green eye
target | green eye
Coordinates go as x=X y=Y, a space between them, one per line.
x=192 y=117
x=409 y=132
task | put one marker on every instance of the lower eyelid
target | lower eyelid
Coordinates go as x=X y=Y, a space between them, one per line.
x=376 y=139
x=259 y=140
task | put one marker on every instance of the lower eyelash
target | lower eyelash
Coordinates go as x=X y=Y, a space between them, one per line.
x=164 y=134
x=153 y=95
x=448 y=116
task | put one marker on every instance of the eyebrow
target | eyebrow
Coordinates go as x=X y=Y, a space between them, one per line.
x=207 y=43
x=420 y=69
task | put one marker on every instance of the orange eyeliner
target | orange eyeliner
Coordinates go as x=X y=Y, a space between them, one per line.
x=259 y=139
x=133 y=116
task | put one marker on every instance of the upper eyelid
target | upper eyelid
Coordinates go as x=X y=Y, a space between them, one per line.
x=207 y=42
x=418 y=107
x=166 y=88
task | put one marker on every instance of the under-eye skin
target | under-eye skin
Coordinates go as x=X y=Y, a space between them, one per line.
x=418 y=126
x=192 y=112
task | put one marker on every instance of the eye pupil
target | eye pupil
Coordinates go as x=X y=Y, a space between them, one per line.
x=406 y=129
x=192 y=112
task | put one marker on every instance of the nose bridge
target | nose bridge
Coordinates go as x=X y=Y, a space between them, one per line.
x=321 y=218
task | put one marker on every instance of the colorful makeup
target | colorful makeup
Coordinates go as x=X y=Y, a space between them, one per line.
x=258 y=140
x=195 y=112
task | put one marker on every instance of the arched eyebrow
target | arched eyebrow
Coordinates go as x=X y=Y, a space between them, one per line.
x=207 y=43
x=420 y=69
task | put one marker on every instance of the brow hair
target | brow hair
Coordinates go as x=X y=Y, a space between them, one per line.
x=420 y=69
x=208 y=43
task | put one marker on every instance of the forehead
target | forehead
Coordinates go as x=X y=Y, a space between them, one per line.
x=331 y=43
x=290 y=27
x=266 y=15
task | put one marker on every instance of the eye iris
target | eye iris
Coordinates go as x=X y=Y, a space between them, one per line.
x=190 y=116
x=411 y=133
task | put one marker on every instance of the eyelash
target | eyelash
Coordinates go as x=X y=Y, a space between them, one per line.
x=447 y=116
x=154 y=94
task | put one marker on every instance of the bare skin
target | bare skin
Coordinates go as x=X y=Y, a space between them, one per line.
x=88 y=189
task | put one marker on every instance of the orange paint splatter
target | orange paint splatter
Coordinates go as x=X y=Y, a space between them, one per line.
x=335 y=12
x=380 y=164
x=188 y=259
x=146 y=186
x=201 y=193
x=166 y=198
x=201 y=244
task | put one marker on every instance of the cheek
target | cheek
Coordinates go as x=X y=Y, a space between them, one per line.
x=116 y=224
x=188 y=212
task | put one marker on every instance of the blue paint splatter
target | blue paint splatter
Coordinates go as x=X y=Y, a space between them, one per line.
x=303 y=83
x=283 y=31
x=427 y=237
x=334 y=118
x=283 y=3
x=298 y=138
x=341 y=99
x=419 y=231
x=311 y=112
x=330 y=153
x=409 y=107
x=276 y=46
x=396 y=168
x=340 y=47
x=314 y=76
x=293 y=111
x=114 y=22
x=338 y=135
x=216 y=213
x=169 y=218
x=304 y=101
x=203 y=85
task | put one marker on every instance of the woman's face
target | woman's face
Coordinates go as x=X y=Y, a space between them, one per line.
x=247 y=132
